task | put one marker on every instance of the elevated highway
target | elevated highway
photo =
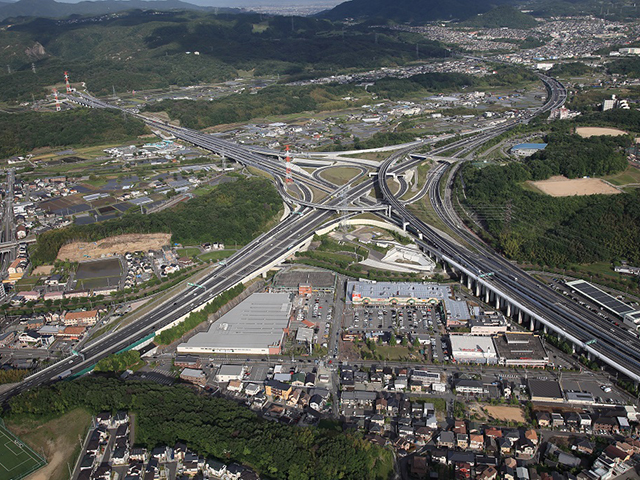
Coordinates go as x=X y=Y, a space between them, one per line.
x=505 y=284
x=509 y=290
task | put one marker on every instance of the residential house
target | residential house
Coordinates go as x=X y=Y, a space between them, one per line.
x=583 y=445
x=525 y=449
x=462 y=441
x=585 y=421
x=215 y=468
x=476 y=441
x=89 y=317
x=605 y=424
x=532 y=436
x=544 y=419
x=489 y=473
x=506 y=445
x=557 y=420
x=298 y=379
x=274 y=388
x=446 y=440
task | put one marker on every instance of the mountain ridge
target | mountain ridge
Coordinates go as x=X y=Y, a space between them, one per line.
x=411 y=11
x=53 y=9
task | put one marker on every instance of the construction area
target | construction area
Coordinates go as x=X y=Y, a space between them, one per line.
x=118 y=245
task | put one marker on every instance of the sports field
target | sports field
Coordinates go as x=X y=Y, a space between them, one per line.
x=16 y=459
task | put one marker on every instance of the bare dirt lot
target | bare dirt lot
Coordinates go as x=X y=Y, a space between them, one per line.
x=119 y=245
x=43 y=270
x=560 y=186
x=511 y=414
x=586 y=132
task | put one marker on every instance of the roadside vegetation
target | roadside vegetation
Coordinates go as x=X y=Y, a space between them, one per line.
x=196 y=318
x=119 y=362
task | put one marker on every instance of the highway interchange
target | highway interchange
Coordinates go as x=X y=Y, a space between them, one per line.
x=619 y=349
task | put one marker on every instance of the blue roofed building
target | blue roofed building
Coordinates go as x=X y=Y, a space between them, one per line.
x=526 y=149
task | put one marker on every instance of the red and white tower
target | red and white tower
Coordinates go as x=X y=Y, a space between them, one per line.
x=55 y=95
x=66 y=81
x=287 y=159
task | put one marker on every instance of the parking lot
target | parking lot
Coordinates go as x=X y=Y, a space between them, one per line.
x=602 y=392
x=421 y=321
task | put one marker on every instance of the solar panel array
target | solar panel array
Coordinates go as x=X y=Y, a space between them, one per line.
x=593 y=293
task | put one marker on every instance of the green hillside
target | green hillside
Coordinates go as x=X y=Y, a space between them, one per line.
x=503 y=16
x=141 y=50
x=413 y=11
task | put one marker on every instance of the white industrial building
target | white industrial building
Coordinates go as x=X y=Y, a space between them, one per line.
x=255 y=327
x=473 y=349
x=226 y=373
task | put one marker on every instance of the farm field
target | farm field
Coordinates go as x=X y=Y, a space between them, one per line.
x=560 y=186
x=99 y=273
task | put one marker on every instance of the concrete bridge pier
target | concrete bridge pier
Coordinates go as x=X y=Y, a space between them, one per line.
x=405 y=224
x=520 y=317
x=487 y=295
x=469 y=282
x=508 y=309
x=478 y=289
x=497 y=302
x=532 y=324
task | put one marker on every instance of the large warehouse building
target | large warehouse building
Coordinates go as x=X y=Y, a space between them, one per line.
x=396 y=293
x=473 y=349
x=520 y=349
x=255 y=327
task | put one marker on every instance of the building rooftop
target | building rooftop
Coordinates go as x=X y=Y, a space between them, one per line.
x=520 y=346
x=603 y=299
x=545 y=389
x=388 y=290
x=529 y=146
x=304 y=334
x=458 y=310
x=293 y=278
x=193 y=373
x=258 y=322
x=471 y=343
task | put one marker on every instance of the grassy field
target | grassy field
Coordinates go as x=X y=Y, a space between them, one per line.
x=339 y=175
x=200 y=191
x=216 y=255
x=57 y=438
x=188 y=252
x=601 y=268
x=17 y=460
x=629 y=176
x=366 y=155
